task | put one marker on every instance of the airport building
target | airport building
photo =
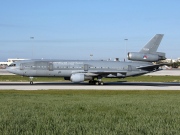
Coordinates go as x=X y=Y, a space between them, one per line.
x=9 y=61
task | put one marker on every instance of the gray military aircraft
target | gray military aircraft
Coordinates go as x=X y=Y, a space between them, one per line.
x=94 y=70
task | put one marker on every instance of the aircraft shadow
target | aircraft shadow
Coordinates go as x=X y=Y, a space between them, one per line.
x=160 y=84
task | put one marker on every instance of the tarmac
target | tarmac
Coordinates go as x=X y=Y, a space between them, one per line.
x=4 y=72
x=166 y=72
x=86 y=86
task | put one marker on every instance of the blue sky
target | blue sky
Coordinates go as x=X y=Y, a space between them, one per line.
x=74 y=29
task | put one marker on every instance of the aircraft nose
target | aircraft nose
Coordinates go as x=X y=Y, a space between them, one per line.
x=8 y=69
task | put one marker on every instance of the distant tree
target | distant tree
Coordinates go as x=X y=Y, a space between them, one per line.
x=175 y=64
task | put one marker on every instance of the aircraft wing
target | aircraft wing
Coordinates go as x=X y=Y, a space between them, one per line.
x=150 y=66
x=100 y=72
x=108 y=72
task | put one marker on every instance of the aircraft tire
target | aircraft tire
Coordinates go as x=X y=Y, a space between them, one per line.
x=97 y=83
x=31 y=82
x=101 y=83
x=91 y=82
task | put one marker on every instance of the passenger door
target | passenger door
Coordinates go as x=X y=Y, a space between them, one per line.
x=51 y=66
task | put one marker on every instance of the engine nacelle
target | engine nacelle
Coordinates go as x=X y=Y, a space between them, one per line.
x=145 y=57
x=78 y=77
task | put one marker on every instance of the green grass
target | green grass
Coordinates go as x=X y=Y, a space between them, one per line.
x=68 y=112
x=16 y=78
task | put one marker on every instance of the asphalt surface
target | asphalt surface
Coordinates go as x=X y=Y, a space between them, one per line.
x=4 y=72
x=86 y=86
x=170 y=72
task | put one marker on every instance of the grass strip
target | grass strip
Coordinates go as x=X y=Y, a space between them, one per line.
x=89 y=112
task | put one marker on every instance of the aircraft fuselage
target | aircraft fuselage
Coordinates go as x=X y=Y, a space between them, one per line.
x=64 y=68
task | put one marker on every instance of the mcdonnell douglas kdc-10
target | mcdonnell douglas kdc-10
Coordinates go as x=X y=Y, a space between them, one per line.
x=94 y=70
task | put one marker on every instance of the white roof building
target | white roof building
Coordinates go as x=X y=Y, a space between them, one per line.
x=11 y=60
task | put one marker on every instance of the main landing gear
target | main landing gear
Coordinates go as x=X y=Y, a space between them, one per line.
x=96 y=82
x=31 y=80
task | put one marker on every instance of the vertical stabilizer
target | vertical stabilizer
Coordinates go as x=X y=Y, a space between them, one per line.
x=152 y=46
x=149 y=52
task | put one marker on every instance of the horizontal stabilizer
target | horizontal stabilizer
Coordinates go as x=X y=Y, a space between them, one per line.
x=151 y=66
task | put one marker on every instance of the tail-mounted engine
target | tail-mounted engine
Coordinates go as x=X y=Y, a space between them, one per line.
x=136 y=56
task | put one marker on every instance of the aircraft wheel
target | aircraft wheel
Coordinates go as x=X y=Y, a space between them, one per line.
x=97 y=83
x=101 y=83
x=91 y=82
x=31 y=82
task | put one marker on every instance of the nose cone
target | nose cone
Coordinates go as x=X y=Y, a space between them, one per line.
x=9 y=69
x=12 y=70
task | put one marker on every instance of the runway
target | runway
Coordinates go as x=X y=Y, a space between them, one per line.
x=86 y=86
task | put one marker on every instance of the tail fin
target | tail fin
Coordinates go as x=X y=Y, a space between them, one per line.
x=152 y=46
x=149 y=52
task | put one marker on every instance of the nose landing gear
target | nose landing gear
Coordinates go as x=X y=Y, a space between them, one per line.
x=31 y=80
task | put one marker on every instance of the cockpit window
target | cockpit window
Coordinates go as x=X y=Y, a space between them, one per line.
x=12 y=65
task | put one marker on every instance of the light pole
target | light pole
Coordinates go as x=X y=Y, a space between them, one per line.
x=126 y=48
x=91 y=55
x=32 y=46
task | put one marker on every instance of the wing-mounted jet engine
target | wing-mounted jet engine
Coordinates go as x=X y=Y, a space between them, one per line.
x=79 y=77
x=148 y=52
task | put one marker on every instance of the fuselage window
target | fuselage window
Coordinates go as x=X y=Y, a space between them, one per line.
x=12 y=65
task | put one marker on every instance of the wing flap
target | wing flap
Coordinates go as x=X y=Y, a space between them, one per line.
x=100 y=72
